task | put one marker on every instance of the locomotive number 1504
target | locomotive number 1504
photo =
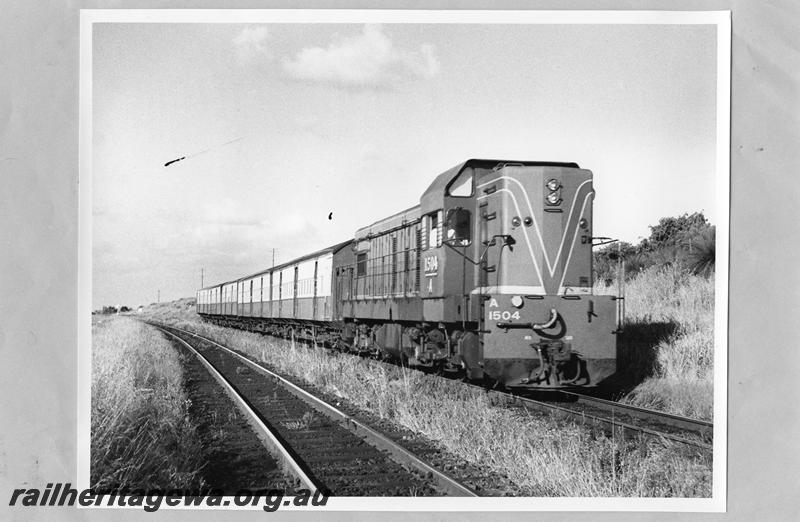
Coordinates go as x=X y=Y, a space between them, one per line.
x=431 y=265
x=505 y=315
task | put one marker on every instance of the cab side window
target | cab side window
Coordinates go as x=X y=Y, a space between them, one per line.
x=432 y=224
x=458 y=226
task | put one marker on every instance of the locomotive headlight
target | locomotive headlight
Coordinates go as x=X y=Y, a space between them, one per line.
x=517 y=301
x=552 y=184
x=553 y=198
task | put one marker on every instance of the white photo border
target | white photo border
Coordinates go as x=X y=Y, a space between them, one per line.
x=720 y=19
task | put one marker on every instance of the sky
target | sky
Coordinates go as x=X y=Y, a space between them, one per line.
x=283 y=124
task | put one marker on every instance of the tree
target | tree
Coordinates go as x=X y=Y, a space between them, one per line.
x=676 y=231
x=686 y=241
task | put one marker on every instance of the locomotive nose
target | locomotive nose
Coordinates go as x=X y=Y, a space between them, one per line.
x=542 y=316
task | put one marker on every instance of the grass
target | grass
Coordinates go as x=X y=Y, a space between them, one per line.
x=142 y=437
x=668 y=344
x=181 y=309
x=541 y=454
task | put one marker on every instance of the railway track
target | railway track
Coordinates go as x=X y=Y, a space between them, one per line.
x=324 y=448
x=626 y=420
x=630 y=421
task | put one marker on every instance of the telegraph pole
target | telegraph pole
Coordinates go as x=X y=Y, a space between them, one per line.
x=201 y=277
x=158 y=297
x=273 y=258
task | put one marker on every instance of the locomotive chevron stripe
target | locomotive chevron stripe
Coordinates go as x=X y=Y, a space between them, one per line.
x=527 y=239
x=573 y=224
x=570 y=229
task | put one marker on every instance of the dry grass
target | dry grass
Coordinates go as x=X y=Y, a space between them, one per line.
x=141 y=434
x=542 y=455
x=669 y=341
x=183 y=309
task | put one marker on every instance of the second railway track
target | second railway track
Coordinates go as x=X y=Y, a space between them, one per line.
x=609 y=415
x=324 y=448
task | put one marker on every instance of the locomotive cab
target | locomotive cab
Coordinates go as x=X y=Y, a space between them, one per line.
x=508 y=266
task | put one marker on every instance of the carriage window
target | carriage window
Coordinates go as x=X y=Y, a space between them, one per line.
x=461 y=187
x=361 y=265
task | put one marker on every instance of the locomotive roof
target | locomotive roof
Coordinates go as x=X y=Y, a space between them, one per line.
x=331 y=249
x=388 y=223
x=441 y=181
x=410 y=214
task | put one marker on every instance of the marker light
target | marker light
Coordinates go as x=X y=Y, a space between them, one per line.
x=553 y=198
x=528 y=221
x=516 y=301
x=553 y=185
x=583 y=223
x=515 y=221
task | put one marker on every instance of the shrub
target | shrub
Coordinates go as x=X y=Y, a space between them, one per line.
x=702 y=255
x=685 y=241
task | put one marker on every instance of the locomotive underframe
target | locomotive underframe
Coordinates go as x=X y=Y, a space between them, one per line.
x=535 y=363
x=415 y=343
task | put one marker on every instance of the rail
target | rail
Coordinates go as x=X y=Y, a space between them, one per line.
x=610 y=415
x=264 y=432
x=446 y=483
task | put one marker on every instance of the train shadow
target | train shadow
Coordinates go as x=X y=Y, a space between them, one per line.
x=637 y=352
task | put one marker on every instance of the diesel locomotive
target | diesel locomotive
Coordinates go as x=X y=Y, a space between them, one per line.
x=489 y=275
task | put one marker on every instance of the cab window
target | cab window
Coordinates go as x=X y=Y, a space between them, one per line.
x=461 y=186
x=458 y=227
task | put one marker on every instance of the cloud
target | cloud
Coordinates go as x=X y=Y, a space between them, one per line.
x=369 y=59
x=250 y=43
